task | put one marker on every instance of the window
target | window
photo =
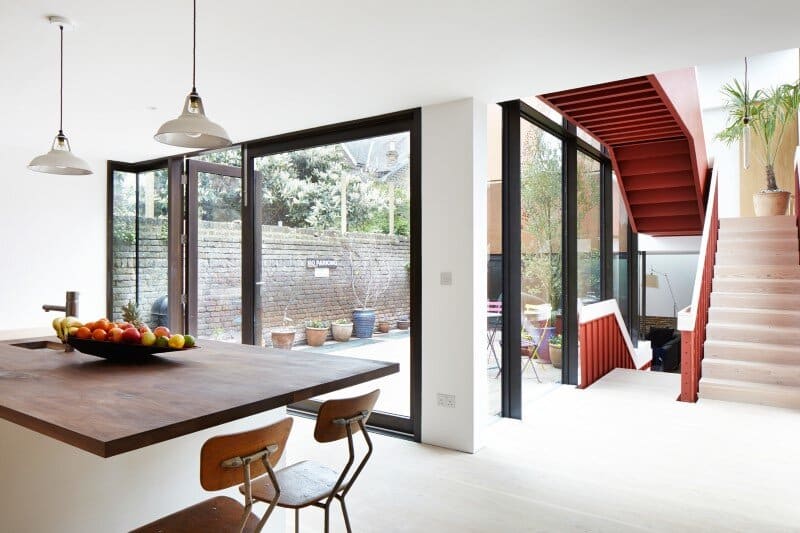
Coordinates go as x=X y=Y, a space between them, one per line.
x=589 y=234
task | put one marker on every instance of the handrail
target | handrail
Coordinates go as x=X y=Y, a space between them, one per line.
x=692 y=320
x=604 y=343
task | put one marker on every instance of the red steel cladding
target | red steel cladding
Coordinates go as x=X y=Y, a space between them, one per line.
x=692 y=342
x=652 y=127
x=602 y=348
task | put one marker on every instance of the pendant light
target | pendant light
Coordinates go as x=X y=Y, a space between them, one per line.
x=60 y=159
x=192 y=129
x=746 y=121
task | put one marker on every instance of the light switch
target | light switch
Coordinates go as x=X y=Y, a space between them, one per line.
x=445 y=278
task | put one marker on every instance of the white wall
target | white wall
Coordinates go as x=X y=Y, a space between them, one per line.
x=454 y=240
x=52 y=238
x=680 y=269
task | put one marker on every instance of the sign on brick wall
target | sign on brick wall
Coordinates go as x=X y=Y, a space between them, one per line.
x=320 y=263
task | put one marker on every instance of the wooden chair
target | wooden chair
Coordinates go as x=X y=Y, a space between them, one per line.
x=226 y=461
x=310 y=483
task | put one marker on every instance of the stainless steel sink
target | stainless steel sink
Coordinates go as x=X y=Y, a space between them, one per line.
x=41 y=345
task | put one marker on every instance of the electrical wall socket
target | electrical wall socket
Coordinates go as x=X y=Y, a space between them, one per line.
x=445 y=278
x=446 y=400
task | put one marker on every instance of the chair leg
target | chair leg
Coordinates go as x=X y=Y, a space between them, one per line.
x=327 y=518
x=297 y=520
x=346 y=517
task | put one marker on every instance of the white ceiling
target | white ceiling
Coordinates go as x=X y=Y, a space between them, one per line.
x=267 y=67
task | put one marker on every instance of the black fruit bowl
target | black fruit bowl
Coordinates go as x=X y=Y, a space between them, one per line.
x=120 y=351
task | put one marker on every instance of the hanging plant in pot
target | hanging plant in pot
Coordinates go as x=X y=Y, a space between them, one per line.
x=764 y=114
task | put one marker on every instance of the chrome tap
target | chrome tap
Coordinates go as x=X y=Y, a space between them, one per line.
x=70 y=308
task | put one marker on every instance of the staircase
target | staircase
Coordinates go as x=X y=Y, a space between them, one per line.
x=752 y=347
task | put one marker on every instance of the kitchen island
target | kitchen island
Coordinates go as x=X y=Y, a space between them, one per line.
x=123 y=440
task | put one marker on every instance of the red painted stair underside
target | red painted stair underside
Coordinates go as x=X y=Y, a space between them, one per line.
x=652 y=127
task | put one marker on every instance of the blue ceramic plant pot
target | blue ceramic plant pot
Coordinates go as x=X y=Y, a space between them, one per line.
x=363 y=323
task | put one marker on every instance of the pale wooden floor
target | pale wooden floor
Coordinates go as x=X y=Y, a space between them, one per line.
x=619 y=456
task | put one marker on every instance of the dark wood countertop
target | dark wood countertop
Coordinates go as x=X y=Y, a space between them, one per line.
x=109 y=408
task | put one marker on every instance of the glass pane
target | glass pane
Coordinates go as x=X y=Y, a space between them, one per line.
x=620 y=247
x=589 y=265
x=494 y=249
x=123 y=273
x=336 y=255
x=541 y=299
x=153 y=267
x=545 y=109
x=584 y=135
x=219 y=257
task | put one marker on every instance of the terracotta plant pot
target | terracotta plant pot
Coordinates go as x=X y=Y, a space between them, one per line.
x=403 y=324
x=555 y=356
x=770 y=203
x=383 y=327
x=283 y=339
x=316 y=336
x=342 y=332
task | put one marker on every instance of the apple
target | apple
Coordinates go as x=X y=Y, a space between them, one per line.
x=188 y=341
x=144 y=328
x=115 y=334
x=124 y=325
x=131 y=336
x=162 y=331
x=176 y=341
x=148 y=338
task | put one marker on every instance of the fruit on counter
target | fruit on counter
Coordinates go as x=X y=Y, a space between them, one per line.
x=99 y=334
x=124 y=325
x=162 y=331
x=144 y=328
x=188 y=341
x=177 y=341
x=64 y=325
x=131 y=336
x=148 y=338
x=162 y=342
x=83 y=333
x=115 y=335
x=103 y=323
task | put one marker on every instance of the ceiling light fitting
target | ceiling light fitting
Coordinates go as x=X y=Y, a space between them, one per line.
x=60 y=159
x=192 y=129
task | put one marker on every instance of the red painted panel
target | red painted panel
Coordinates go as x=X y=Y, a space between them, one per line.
x=602 y=349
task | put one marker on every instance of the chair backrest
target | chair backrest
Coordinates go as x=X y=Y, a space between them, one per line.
x=327 y=428
x=216 y=450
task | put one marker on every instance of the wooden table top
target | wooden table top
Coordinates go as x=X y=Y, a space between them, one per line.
x=109 y=408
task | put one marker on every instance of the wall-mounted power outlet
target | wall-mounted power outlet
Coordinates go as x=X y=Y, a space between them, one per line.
x=446 y=400
x=445 y=278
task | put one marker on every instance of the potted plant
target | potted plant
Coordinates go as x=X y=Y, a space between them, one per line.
x=556 y=351
x=403 y=323
x=283 y=336
x=384 y=326
x=316 y=332
x=342 y=329
x=766 y=113
x=369 y=279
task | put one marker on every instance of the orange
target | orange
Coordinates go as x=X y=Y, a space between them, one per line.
x=90 y=325
x=83 y=333
x=103 y=324
x=99 y=334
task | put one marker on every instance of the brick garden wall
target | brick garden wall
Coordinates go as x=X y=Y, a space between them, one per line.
x=373 y=260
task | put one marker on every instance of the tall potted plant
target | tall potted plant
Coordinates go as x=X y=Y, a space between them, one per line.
x=766 y=113
x=369 y=279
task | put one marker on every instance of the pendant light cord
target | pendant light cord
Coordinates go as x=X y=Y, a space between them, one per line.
x=61 y=86
x=194 y=45
x=746 y=94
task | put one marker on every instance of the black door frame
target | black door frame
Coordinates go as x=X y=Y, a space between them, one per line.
x=406 y=121
x=513 y=112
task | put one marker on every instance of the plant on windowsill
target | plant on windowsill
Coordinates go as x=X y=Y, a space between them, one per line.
x=766 y=113
x=342 y=329
x=556 y=351
x=316 y=332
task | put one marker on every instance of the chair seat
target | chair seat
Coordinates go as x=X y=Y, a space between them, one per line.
x=302 y=484
x=220 y=515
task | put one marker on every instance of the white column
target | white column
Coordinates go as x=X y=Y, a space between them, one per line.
x=454 y=242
